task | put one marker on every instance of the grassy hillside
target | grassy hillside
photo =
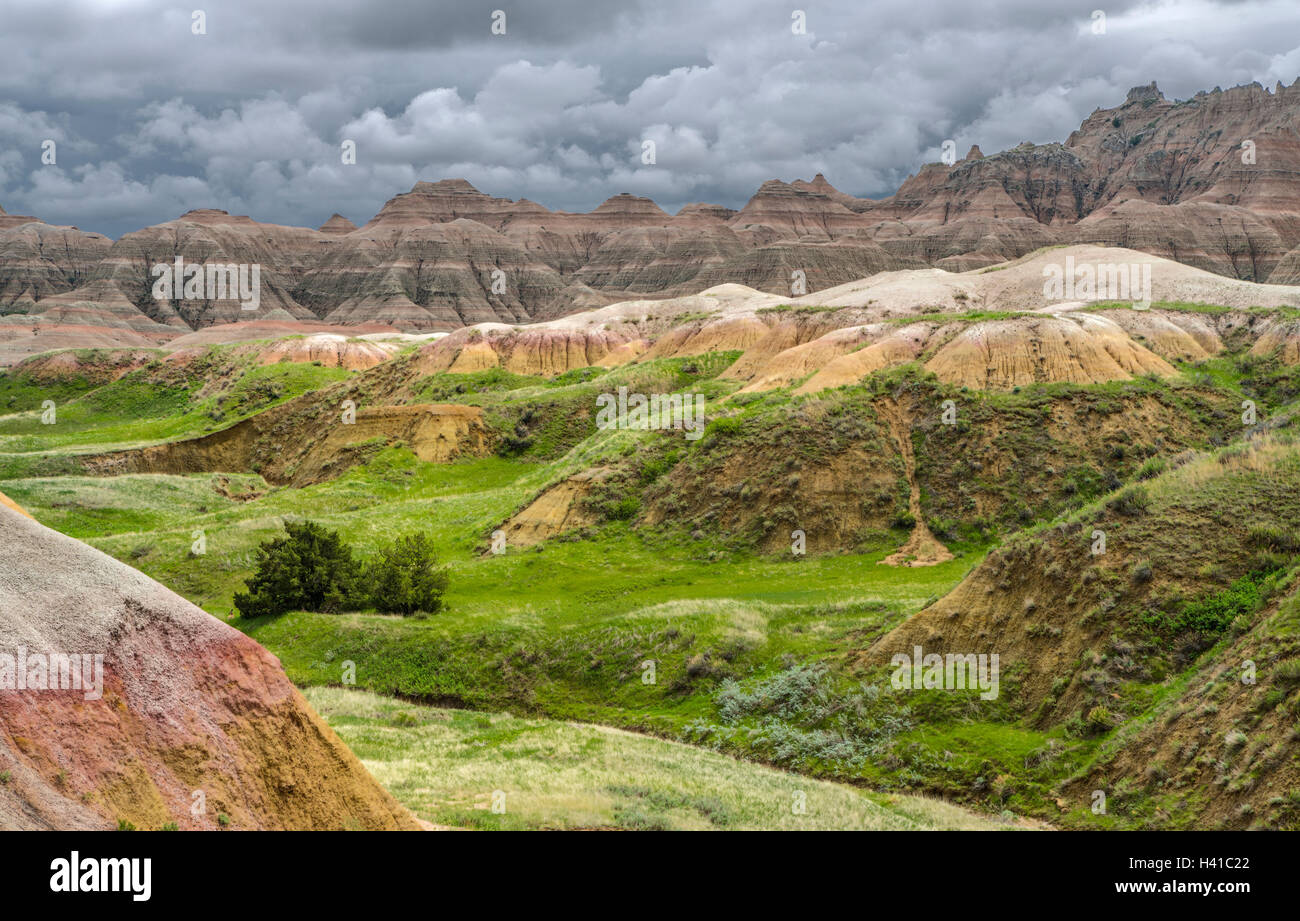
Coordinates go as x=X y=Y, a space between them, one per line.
x=1174 y=650
x=160 y=401
x=446 y=766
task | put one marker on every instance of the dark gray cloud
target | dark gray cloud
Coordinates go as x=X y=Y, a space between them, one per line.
x=151 y=120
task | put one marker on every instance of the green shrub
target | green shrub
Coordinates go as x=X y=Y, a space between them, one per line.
x=625 y=509
x=1099 y=719
x=1213 y=614
x=1151 y=468
x=1131 y=502
x=1288 y=672
x=405 y=578
x=310 y=568
x=727 y=425
x=1270 y=538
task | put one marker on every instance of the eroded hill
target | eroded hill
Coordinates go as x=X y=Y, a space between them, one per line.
x=1163 y=618
x=182 y=720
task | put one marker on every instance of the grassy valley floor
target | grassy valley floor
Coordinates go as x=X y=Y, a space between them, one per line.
x=450 y=767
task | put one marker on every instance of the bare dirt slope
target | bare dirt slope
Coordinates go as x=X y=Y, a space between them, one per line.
x=557 y=510
x=922 y=547
x=188 y=704
x=306 y=441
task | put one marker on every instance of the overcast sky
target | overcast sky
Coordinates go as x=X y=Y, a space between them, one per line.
x=151 y=120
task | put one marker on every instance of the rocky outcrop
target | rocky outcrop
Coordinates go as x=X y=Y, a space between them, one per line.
x=311 y=439
x=1078 y=349
x=557 y=510
x=331 y=351
x=184 y=721
x=843 y=334
x=38 y=260
x=125 y=277
x=337 y=224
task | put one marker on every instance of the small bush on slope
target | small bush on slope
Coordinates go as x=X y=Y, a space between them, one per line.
x=405 y=579
x=310 y=568
x=313 y=569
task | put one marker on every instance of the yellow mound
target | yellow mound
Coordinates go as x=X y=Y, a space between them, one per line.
x=715 y=336
x=543 y=350
x=332 y=351
x=1078 y=349
x=1172 y=335
x=898 y=346
x=475 y=356
x=1281 y=338
x=790 y=365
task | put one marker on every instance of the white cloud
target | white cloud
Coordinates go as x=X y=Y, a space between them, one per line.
x=159 y=121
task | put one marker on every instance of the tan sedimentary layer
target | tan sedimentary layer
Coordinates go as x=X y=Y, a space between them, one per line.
x=556 y=510
x=307 y=441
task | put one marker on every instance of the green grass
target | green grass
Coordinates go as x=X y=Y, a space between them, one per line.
x=90 y=507
x=21 y=393
x=1283 y=312
x=451 y=766
x=799 y=309
x=141 y=408
x=560 y=630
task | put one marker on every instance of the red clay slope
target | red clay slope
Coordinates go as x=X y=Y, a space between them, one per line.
x=189 y=704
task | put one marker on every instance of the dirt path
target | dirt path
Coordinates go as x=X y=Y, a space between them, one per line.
x=922 y=547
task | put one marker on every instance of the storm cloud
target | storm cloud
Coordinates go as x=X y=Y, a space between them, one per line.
x=150 y=120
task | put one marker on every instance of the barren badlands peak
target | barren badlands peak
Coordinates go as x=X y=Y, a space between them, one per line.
x=625 y=203
x=337 y=224
x=704 y=211
x=15 y=220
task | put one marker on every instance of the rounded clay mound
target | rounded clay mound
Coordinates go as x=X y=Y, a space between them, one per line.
x=183 y=703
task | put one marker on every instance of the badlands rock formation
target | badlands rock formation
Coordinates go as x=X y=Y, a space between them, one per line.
x=989 y=330
x=1209 y=182
x=306 y=440
x=557 y=510
x=188 y=704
